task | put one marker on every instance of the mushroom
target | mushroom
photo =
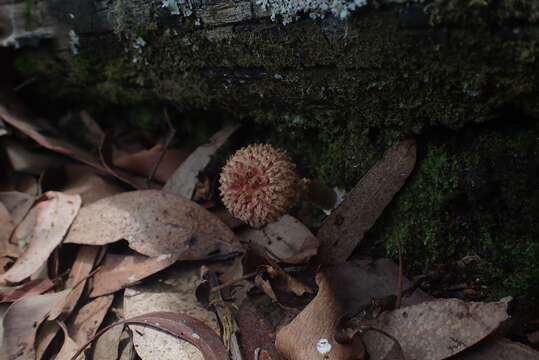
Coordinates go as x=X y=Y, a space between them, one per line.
x=259 y=184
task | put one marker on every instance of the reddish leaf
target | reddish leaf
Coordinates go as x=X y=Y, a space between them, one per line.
x=181 y=326
x=33 y=287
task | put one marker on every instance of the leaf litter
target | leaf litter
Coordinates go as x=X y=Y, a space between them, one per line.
x=171 y=274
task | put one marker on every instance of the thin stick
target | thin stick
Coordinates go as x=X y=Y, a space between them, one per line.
x=400 y=281
x=234 y=281
x=170 y=137
x=87 y=277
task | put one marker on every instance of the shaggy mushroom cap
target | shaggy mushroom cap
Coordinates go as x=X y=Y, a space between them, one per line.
x=259 y=184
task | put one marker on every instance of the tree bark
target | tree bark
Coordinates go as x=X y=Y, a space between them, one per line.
x=402 y=65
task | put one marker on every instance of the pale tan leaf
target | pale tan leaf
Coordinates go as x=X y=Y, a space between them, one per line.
x=120 y=271
x=287 y=239
x=174 y=291
x=184 y=179
x=83 y=265
x=344 y=229
x=436 y=329
x=21 y=322
x=154 y=223
x=88 y=319
x=107 y=346
x=53 y=216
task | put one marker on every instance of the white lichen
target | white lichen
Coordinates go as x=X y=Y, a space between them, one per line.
x=74 y=42
x=290 y=10
x=178 y=7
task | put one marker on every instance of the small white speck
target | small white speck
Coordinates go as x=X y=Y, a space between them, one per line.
x=132 y=278
x=164 y=257
x=195 y=336
x=71 y=16
x=323 y=346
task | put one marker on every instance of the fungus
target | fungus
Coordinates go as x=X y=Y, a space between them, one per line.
x=259 y=184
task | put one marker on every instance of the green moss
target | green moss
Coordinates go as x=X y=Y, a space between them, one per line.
x=472 y=195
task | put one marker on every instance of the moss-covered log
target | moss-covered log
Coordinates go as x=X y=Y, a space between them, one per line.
x=336 y=93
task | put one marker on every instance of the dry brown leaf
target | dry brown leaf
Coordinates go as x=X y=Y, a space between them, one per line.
x=120 y=271
x=69 y=347
x=21 y=322
x=287 y=239
x=255 y=333
x=45 y=335
x=310 y=336
x=82 y=266
x=82 y=180
x=344 y=229
x=17 y=203
x=436 y=329
x=181 y=326
x=174 y=291
x=184 y=179
x=33 y=287
x=143 y=162
x=24 y=160
x=498 y=349
x=154 y=223
x=28 y=125
x=89 y=318
x=107 y=346
x=53 y=216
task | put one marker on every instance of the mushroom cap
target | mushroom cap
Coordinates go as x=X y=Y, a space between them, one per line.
x=259 y=184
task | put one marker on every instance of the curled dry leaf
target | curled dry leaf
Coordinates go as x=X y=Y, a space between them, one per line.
x=21 y=322
x=436 y=329
x=120 y=271
x=83 y=265
x=287 y=239
x=344 y=229
x=142 y=162
x=184 y=179
x=175 y=292
x=154 y=223
x=50 y=221
x=311 y=334
x=28 y=125
x=182 y=326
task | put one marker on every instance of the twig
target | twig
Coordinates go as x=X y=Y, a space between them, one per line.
x=87 y=277
x=24 y=84
x=400 y=283
x=234 y=281
x=168 y=140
